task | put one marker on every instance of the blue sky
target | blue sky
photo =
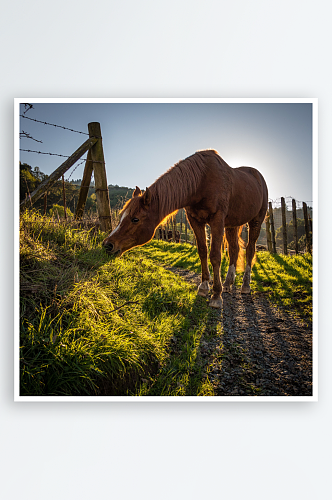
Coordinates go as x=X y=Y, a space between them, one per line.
x=142 y=140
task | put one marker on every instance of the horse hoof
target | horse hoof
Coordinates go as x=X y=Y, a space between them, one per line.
x=203 y=289
x=216 y=303
x=245 y=289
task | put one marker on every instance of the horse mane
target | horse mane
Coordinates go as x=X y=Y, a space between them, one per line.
x=171 y=189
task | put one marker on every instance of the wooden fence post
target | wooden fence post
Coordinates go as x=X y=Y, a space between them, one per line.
x=101 y=189
x=45 y=203
x=181 y=224
x=186 y=229
x=295 y=226
x=306 y=225
x=284 y=225
x=268 y=234
x=84 y=189
x=273 y=234
x=208 y=236
x=64 y=196
x=51 y=179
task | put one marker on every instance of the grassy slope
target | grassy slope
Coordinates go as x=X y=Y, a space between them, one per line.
x=74 y=343
x=286 y=279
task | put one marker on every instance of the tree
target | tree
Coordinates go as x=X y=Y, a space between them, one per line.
x=290 y=234
x=59 y=210
x=28 y=181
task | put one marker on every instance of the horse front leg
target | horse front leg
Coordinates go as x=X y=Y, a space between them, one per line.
x=199 y=230
x=217 y=231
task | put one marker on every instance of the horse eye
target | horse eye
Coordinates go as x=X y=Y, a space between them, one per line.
x=135 y=220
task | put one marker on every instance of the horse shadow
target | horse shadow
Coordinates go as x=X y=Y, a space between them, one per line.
x=250 y=347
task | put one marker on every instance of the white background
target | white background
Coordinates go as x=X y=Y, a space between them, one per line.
x=165 y=49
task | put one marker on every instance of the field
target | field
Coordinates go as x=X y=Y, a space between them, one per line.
x=91 y=325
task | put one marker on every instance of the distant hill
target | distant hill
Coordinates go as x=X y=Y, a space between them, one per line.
x=31 y=178
x=119 y=194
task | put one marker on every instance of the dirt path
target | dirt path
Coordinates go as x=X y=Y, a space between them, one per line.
x=262 y=349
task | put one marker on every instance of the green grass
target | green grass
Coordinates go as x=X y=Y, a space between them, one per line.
x=91 y=325
x=285 y=279
x=181 y=255
x=73 y=341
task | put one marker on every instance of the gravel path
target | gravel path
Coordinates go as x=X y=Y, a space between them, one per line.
x=261 y=350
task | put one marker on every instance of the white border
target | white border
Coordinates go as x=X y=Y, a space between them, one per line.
x=183 y=399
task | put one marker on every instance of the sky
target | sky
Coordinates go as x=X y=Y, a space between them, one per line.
x=142 y=140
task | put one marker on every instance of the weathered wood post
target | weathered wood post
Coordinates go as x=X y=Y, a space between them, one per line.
x=173 y=228
x=181 y=224
x=284 y=224
x=186 y=229
x=295 y=226
x=45 y=203
x=46 y=184
x=208 y=236
x=273 y=233
x=101 y=189
x=268 y=234
x=64 y=196
x=306 y=225
x=310 y=224
x=84 y=189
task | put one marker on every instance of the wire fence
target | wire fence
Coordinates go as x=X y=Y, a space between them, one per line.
x=177 y=228
x=53 y=125
x=277 y=210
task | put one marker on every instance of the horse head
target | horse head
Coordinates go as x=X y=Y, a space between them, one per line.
x=137 y=224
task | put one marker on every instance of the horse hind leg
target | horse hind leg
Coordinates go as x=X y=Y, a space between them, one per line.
x=233 y=249
x=254 y=230
x=217 y=231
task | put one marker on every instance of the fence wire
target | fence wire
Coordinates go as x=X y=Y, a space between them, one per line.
x=57 y=154
x=277 y=213
x=53 y=125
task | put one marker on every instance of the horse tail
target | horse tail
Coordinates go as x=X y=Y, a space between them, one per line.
x=241 y=260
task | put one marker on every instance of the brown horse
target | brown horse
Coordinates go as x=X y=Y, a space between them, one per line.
x=212 y=193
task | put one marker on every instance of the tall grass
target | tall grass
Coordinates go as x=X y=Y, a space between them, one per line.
x=91 y=325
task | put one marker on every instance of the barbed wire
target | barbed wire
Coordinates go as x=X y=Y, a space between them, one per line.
x=54 y=125
x=42 y=153
x=288 y=202
x=26 y=135
x=57 y=154
x=27 y=107
x=80 y=163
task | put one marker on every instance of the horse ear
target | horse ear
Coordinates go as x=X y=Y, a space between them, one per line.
x=137 y=192
x=147 y=197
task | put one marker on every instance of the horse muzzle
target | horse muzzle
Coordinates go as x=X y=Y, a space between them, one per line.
x=111 y=249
